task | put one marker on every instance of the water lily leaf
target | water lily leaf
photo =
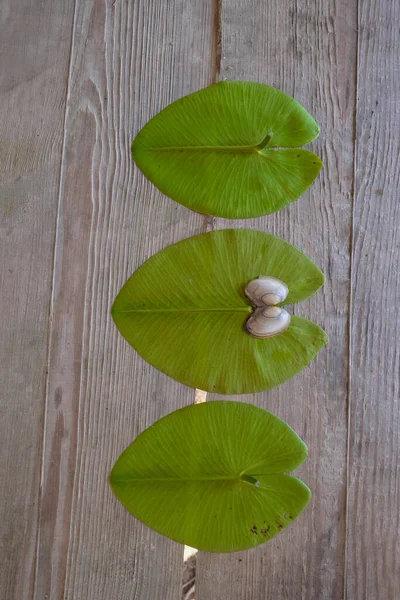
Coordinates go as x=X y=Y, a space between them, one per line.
x=230 y=150
x=184 y=311
x=212 y=476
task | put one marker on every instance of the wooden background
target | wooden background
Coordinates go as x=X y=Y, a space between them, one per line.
x=78 y=79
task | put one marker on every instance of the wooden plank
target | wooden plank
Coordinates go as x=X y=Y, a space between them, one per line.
x=373 y=545
x=308 y=50
x=35 y=42
x=129 y=60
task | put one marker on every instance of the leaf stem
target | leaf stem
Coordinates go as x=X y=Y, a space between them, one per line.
x=246 y=149
x=264 y=142
x=249 y=479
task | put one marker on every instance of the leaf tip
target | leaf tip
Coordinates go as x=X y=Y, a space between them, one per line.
x=133 y=146
x=113 y=311
x=114 y=481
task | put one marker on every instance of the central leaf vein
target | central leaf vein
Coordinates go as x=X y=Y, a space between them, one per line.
x=249 y=148
x=245 y=309
x=252 y=479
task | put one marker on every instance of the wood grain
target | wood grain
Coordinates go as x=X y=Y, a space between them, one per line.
x=373 y=523
x=80 y=79
x=309 y=51
x=129 y=60
x=35 y=44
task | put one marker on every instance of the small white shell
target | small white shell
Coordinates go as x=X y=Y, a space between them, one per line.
x=268 y=321
x=266 y=291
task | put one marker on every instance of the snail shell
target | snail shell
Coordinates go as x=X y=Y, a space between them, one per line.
x=267 y=322
x=267 y=319
x=266 y=291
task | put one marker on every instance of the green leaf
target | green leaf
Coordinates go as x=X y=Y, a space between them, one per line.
x=212 y=476
x=230 y=150
x=184 y=311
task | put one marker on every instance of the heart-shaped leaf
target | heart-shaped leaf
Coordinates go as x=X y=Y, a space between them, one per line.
x=230 y=150
x=185 y=310
x=212 y=476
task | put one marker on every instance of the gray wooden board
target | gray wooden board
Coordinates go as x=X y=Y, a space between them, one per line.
x=373 y=516
x=309 y=51
x=129 y=60
x=103 y=69
x=35 y=43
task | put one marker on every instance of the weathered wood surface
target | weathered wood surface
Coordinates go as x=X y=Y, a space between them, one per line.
x=35 y=45
x=78 y=218
x=373 y=515
x=127 y=61
x=309 y=51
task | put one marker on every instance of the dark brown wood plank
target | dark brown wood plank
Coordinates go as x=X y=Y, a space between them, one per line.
x=129 y=60
x=373 y=543
x=35 y=43
x=308 y=50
